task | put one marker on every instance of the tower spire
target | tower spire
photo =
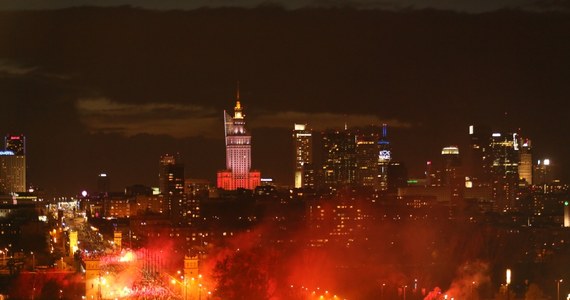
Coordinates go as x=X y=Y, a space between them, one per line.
x=238 y=110
x=237 y=91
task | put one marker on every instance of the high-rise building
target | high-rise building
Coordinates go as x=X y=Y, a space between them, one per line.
x=478 y=165
x=367 y=158
x=13 y=165
x=303 y=147
x=451 y=164
x=16 y=144
x=452 y=175
x=170 y=175
x=238 y=172
x=543 y=172
x=504 y=162
x=384 y=158
x=339 y=163
x=525 y=161
x=103 y=184
x=397 y=176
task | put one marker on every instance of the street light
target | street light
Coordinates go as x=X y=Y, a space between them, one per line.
x=382 y=290
x=185 y=283
x=508 y=281
x=33 y=260
x=405 y=286
x=558 y=289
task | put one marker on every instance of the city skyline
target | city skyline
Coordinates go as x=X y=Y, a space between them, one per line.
x=85 y=108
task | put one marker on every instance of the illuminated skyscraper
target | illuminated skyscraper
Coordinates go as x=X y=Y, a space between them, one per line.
x=451 y=165
x=543 y=172
x=504 y=159
x=16 y=144
x=238 y=173
x=339 y=163
x=13 y=165
x=478 y=165
x=303 y=147
x=367 y=158
x=525 y=161
x=384 y=157
x=452 y=175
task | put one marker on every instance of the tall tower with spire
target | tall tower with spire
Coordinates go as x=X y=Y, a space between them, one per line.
x=384 y=158
x=238 y=173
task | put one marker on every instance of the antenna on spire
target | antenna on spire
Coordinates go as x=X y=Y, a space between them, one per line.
x=384 y=130
x=237 y=91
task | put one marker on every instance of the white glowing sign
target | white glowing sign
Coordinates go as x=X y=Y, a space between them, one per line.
x=300 y=126
x=384 y=155
x=7 y=152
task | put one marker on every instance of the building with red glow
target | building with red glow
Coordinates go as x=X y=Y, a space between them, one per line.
x=238 y=173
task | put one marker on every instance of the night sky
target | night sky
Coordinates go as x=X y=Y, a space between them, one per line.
x=110 y=89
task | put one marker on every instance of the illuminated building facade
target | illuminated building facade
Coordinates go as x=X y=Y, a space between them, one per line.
x=504 y=159
x=384 y=158
x=93 y=282
x=16 y=144
x=478 y=166
x=543 y=172
x=303 y=147
x=451 y=164
x=170 y=175
x=118 y=206
x=151 y=203
x=367 y=158
x=525 y=161
x=452 y=176
x=238 y=173
x=13 y=165
x=339 y=163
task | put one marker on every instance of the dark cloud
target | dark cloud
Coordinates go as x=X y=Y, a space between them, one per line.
x=456 y=5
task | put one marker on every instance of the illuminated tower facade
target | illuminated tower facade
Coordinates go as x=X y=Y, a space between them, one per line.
x=13 y=165
x=238 y=173
x=339 y=163
x=525 y=161
x=504 y=167
x=170 y=175
x=367 y=158
x=92 y=278
x=451 y=165
x=384 y=157
x=478 y=157
x=73 y=245
x=303 y=147
x=543 y=172
x=16 y=144
x=452 y=176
